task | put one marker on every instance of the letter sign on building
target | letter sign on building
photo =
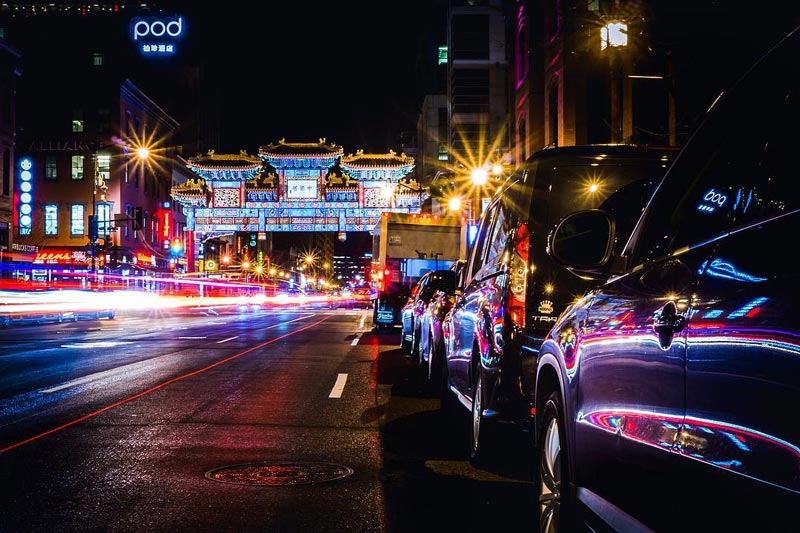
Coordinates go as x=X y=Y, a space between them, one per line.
x=157 y=36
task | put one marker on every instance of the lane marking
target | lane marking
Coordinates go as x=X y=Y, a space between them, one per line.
x=361 y=322
x=189 y=338
x=355 y=341
x=290 y=321
x=157 y=387
x=228 y=339
x=336 y=391
x=81 y=381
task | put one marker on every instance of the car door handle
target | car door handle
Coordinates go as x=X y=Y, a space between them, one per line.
x=669 y=320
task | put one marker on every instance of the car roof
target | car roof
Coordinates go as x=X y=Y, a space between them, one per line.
x=575 y=154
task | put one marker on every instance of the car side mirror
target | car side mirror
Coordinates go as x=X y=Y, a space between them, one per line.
x=582 y=241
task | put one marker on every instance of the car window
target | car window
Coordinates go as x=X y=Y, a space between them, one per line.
x=498 y=236
x=479 y=248
x=739 y=167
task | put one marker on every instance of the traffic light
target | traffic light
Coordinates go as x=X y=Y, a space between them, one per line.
x=138 y=218
x=253 y=242
x=93 y=233
x=177 y=245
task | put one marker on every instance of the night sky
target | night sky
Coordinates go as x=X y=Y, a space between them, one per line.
x=356 y=72
x=350 y=72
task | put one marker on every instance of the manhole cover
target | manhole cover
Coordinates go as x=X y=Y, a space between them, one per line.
x=274 y=474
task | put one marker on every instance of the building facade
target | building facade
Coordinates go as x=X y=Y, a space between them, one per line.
x=87 y=182
x=9 y=72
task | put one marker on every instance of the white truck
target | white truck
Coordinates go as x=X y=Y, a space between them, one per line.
x=405 y=246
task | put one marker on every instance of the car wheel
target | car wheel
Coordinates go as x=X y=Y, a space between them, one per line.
x=553 y=482
x=405 y=345
x=434 y=361
x=415 y=355
x=479 y=430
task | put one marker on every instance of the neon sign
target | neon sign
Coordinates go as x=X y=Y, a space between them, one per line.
x=157 y=36
x=712 y=201
x=25 y=206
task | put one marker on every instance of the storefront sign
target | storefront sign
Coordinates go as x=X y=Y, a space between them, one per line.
x=61 y=257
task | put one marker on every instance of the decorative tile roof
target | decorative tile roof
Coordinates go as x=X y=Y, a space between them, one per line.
x=214 y=161
x=320 y=149
x=377 y=161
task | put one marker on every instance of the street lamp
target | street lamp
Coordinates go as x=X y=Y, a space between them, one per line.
x=479 y=178
x=102 y=174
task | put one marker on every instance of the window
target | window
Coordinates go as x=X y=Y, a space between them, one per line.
x=98 y=59
x=103 y=169
x=497 y=240
x=77 y=167
x=76 y=219
x=50 y=167
x=77 y=125
x=479 y=248
x=103 y=219
x=737 y=170
x=128 y=215
x=51 y=219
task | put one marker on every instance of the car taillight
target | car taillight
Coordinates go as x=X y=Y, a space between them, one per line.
x=518 y=276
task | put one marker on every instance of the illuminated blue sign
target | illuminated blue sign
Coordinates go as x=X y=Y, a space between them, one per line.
x=157 y=36
x=712 y=201
x=25 y=198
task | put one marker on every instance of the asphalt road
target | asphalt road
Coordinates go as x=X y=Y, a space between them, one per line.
x=119 y=426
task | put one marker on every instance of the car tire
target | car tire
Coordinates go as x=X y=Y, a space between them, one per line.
x=479 y=430
x=552 y=481
x=405 y=345
x=434 y=362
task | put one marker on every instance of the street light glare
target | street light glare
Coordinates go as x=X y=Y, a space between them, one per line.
x=479 y=176
x=142 y=152
x=454 y=204
x=497 y=169
x=614 y=34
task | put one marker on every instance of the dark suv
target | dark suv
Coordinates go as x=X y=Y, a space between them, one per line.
x=666 y=397
x=512 y=291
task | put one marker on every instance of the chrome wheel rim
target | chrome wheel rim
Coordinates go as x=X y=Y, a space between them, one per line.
x=477 y=408
x=550 y=479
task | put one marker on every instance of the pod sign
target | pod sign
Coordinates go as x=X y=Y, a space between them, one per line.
x=157 y=36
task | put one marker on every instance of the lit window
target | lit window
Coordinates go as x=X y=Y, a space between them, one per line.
x=97 y=59
x=77 y=125
x=51 y=219
x=76 y=220
x=51 y=167
x=77 y=167
x=103 y=219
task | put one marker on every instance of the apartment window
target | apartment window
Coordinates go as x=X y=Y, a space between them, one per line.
x=104 y=168
x=51 y=219
x=103 y=219
x=50 y=167
x=98 y=59
x=76 y=219
x=77 y=125
x=77 y=167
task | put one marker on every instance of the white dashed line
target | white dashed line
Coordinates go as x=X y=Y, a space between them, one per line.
x=338 y=387
x=361 y=322
x=191 y=338
x=355 y=341
x=228 y=339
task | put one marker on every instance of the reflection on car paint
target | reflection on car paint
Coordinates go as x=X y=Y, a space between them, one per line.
x=720 y=268
x=725 y=445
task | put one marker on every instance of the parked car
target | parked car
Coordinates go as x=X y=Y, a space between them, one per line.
x=512 y=292
x=665 y=397
x=431 y=338
x=412 y=311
